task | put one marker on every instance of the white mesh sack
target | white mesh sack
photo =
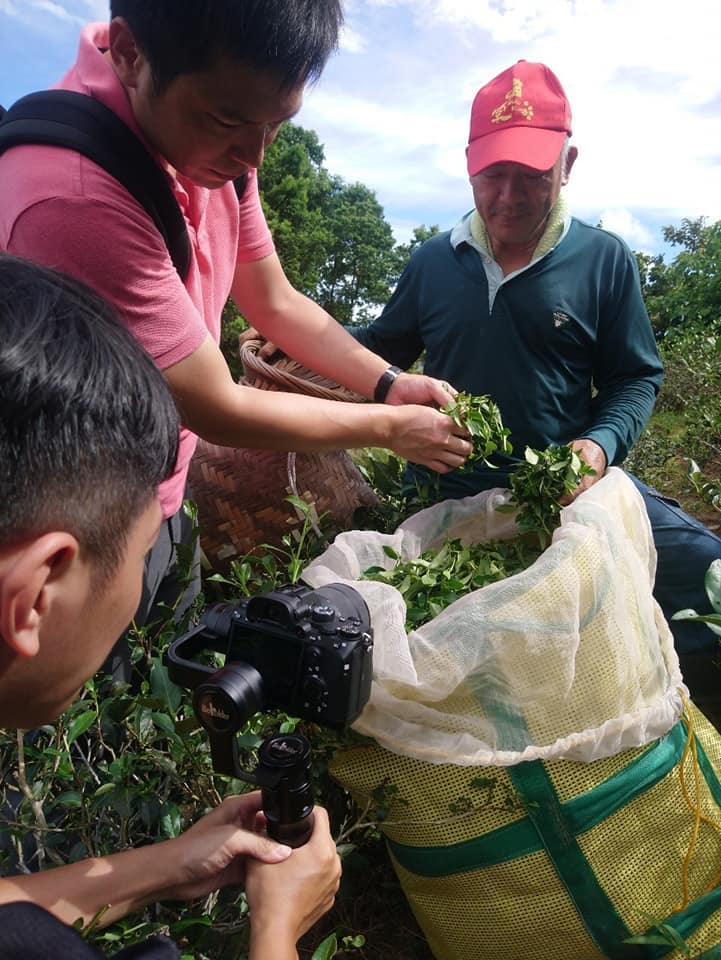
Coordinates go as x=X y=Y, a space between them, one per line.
x=571 y=658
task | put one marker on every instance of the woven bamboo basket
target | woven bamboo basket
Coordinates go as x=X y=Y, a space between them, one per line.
x=241 y=493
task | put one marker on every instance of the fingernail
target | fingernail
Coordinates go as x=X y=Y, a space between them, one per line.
x=281 y=850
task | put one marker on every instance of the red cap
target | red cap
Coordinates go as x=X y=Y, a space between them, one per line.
x=521 y=116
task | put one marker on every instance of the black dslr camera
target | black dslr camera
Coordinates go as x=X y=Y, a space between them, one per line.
x=308 y=652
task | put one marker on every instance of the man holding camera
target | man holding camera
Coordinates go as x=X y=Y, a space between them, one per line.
x=205 y=87
x=88 y=430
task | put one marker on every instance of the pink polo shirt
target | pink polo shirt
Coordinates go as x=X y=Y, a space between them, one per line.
x=62 y=210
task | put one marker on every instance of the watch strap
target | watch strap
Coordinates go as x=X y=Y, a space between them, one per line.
x=385 y=382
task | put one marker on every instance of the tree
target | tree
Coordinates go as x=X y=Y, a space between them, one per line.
x=331 y=237
x=294 y=188
x=687 y=292
x=420 y=235
x=361 y=263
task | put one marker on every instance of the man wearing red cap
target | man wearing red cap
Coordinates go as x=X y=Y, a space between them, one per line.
x=543 y=312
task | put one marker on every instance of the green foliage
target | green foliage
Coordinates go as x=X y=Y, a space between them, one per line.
x=540 y=483
x=712 y=583
x=687 y=292
x=482 y=418
x=708 y=490
x=331 y=237
x=267 y=566
x=361 y=261
x=232 y=325
x=437 y=578
x=384 y=471
x=420 y=235
x=686 y=423
x=660 y=935
x=120 y=769
x=294 y=188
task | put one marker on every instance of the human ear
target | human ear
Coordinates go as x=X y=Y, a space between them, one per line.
x=124 y=52
x=26 y=586
x=570 y=160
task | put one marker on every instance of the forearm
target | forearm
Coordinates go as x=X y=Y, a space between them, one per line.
x=619 y=416
x=279 y=421
x=223 y=412
x=124 y=883
x=270 y=943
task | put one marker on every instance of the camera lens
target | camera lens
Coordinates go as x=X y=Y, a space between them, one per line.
x=228 y=698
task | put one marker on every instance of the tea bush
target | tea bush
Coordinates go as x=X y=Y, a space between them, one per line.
x=126 y=767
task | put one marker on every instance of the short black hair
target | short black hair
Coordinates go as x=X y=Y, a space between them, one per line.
x=88 y=427
x=292 y=38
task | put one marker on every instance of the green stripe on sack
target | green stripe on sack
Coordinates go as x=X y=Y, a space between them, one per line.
x=595 y=909
x=697 y=913
x=686 y=923
x=521 y=838
x=709 y=773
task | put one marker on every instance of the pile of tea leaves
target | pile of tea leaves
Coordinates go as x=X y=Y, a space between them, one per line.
x=539 y=484
x=437 y=578
x=482 y=418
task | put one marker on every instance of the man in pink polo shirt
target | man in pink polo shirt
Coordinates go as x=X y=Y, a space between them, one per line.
x=206 y=87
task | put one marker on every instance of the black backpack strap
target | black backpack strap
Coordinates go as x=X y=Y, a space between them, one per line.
x=63 y=118
x=240 y=183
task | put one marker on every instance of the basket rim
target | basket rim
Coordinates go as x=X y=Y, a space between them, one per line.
x=286 y=373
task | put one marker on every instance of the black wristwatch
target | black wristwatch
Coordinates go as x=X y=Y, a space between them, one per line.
x=384 y=384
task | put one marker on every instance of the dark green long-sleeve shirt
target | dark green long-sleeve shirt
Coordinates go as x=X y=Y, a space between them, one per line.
x=571 y=320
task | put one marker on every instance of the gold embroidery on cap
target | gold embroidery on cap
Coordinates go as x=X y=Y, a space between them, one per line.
x=514 y=103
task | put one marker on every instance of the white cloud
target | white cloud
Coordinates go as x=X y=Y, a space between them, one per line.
x=352 y=41
x=32 y=9
x=57 y=10
x=624 y=223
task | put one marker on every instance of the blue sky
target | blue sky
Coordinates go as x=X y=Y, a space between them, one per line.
x=392 y=107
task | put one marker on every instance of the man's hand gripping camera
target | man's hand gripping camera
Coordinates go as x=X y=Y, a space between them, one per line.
x=308 y=652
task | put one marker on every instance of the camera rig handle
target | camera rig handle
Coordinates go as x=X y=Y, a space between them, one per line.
x=223 y=701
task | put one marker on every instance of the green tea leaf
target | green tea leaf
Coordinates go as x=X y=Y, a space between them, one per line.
x=712 y=582
x=327 y=949
x=80 y=725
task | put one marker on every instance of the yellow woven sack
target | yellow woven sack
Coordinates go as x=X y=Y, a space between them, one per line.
x=548 y=792
x=556 y=860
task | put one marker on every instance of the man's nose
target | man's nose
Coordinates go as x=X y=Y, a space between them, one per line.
x=250 y=148
x=511 y=187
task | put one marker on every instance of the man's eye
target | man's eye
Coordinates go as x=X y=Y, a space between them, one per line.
x=223 y=123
